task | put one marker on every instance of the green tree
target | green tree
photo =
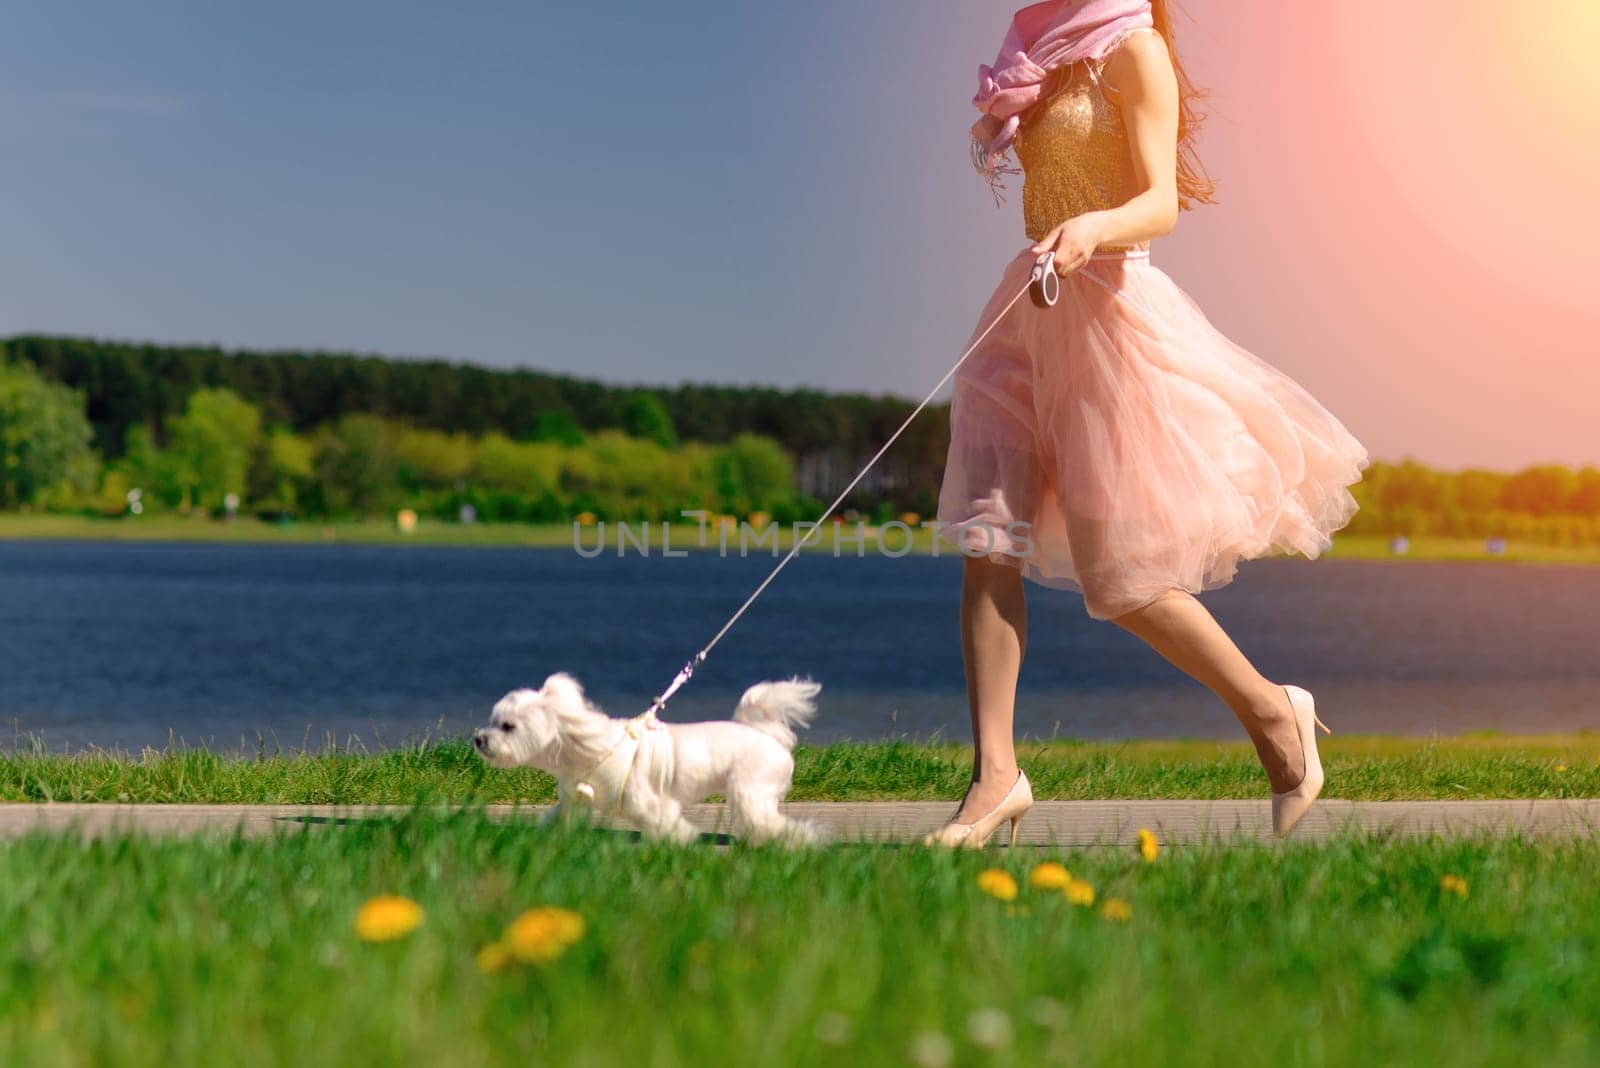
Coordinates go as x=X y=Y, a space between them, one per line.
x=1409 y=484
x=1586 y=498
x=1477 y=490
x=285 y=465
x=644 y=416
x=213 y=444
x=146 y=467
x=636 y=478
x=752 y=472
x=430 y=459
x=1542 y=490
x=557 y=426
x=530 y=469
x=355 y=465
x=44 y=438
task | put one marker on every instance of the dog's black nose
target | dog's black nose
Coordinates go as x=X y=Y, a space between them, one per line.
x=479 y=738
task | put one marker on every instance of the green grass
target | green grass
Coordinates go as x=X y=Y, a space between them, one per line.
x=252 y=531
x=1359 y=768
x=559 y=536
x=143 y=951
x=1376 y=547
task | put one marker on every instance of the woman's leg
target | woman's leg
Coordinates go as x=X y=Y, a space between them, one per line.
x=1178 y=627
x=994 y=636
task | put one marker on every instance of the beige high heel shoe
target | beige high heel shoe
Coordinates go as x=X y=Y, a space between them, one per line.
x=973 y=835
x=1289 y=806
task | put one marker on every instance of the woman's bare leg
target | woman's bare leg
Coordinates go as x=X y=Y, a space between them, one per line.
x=994 y=636
x=1179 y=628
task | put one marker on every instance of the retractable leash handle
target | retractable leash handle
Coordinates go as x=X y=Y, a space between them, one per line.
x=1044 y=285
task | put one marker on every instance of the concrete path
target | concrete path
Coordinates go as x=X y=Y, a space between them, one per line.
x=1069 y=823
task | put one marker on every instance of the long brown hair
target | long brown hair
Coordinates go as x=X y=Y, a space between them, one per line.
x=1194 y=185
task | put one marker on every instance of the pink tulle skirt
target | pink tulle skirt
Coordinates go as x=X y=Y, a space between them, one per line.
x=1119 y=445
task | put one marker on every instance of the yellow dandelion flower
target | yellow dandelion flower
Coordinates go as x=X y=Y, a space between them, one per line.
x=388 y=917
x=493 y=957
x=1116 y=910
x=1049 y=876
x=998 y=884
x=1149 y=845
x=1560 y=768
x=1079 y=892
x=1453 y=884
x=543 y=934
x=570 y=927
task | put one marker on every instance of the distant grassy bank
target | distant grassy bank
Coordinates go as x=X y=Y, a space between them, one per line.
x=45 y=527
x=1359 y=768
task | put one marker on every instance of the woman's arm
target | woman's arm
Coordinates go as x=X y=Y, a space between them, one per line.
x=1141 y=76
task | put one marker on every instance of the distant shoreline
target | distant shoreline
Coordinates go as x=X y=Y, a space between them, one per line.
x=684 y=537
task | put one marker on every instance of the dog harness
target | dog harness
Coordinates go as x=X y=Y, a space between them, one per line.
x=601 y=789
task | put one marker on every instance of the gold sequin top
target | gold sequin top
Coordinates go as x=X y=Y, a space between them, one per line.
x=1074 y=153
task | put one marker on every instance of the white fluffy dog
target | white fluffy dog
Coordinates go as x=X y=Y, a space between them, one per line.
x=646 y=770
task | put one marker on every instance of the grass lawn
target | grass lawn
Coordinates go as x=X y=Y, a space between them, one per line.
x=251 y=531
x=1359 y=768
x=159 y=952
x=559 y=535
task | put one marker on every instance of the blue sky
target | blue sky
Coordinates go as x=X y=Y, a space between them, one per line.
x=695 y=190
x=728 y=192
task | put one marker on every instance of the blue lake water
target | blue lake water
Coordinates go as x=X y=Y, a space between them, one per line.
x=133 y=645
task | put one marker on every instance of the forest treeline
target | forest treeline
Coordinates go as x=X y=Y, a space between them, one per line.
x=141 y=385
x=84 y=424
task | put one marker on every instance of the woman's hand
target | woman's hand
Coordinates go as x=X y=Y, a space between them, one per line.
x=1073 y=242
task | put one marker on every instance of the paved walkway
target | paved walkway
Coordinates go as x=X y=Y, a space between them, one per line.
x=1050 y=823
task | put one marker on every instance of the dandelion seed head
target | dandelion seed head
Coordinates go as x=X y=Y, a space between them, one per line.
x=989 y=1028
x=1047 y=1012
x=931 y=1049
x=833 y=1029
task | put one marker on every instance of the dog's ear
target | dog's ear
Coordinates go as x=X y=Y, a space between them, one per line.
x=562 y=683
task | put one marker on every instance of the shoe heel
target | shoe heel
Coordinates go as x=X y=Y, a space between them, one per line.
x=1016 y=821
x=1321 y=725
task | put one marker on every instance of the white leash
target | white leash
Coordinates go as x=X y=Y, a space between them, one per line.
x=1044 y=285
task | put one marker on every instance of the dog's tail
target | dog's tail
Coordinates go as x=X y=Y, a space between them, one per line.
x=777 y=708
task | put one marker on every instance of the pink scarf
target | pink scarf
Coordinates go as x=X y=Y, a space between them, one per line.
x=1041 y=37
